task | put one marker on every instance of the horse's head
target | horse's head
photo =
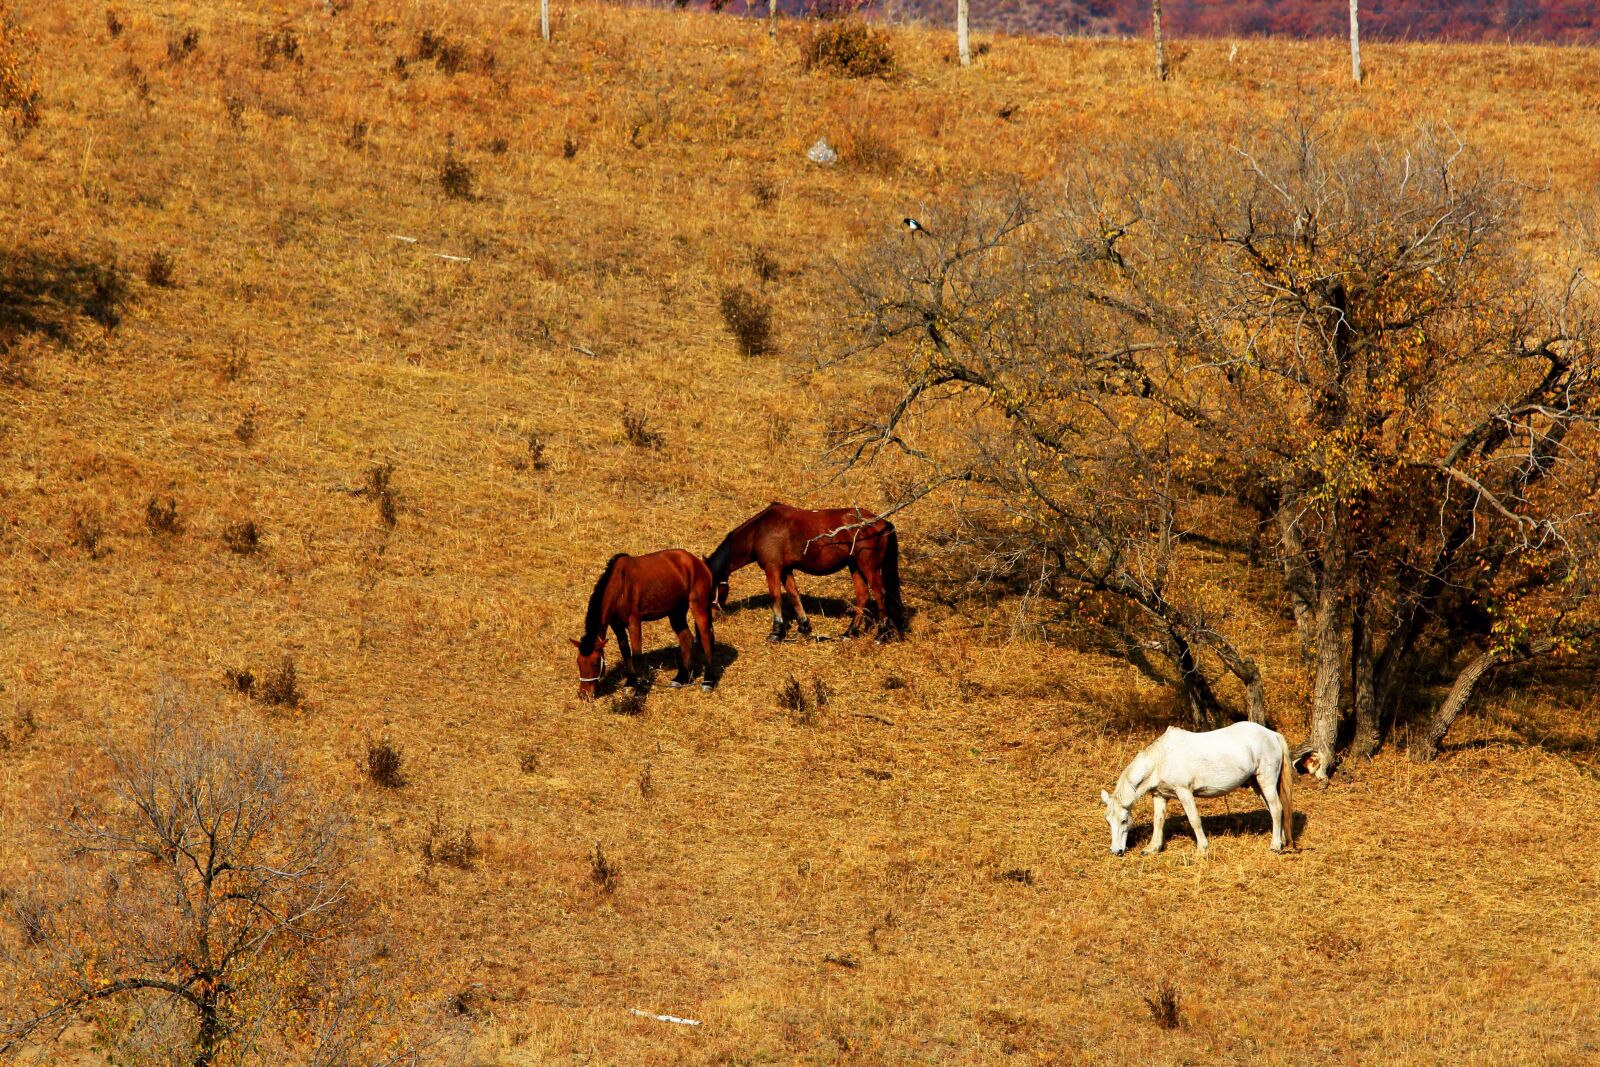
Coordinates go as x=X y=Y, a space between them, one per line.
x=591 y=667
x=1120 y=820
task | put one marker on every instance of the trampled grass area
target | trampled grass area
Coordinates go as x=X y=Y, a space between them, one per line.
x=919 y=873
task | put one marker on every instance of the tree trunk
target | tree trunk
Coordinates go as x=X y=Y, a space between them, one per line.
x=1369 y=734
x=208 y=1038
x=1332 y=647
x=1355 y=43
x=544 y=19
x=1204 y=708
x=1161 y=48
x=961 y=33
x=1454 y=703
x=772 y=19
x=1298 y=579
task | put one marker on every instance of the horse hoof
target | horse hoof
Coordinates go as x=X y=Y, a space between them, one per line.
x=706 y=687
x=678 y=683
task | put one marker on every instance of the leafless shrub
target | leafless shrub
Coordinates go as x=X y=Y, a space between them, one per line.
x=198 y=914
x=356 y=138
x=234 y=363
x=279 y=46
x=871 y=146
x=108 y=291
x=636 y=429
x=281 y=688
x=452 y=846
x=378 y=489
x=158 y=272
x=603 y=872
x=88 y=534
x=893 y=681
x=233 y=107
x=804 y=704
x=114 y=24
x=764 y=189
x=245 y=432
x=647 y=782
x=569 y=147
x=630 y=702
x=1164 y=1006
x=161 y=517
x=528 y=761
x=383 y=764
x=499 y=146
x=765 y=266
x=241 y=537
x=749 y=318
x=455 y=178
x=182 y=46
x=241 y=680
x=1021 y=875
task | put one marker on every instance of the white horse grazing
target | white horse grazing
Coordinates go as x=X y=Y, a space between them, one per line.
x=1187 y=765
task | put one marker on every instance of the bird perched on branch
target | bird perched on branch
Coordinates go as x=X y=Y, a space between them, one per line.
x=914 y=226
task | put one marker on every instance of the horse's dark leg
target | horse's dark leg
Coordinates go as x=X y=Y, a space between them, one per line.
x=780 y=629
x=880 y=598
x=624 y=651
x=857 y=620
x=680 y=626
x=708 y=644
x=804 y=624
x=636 y=634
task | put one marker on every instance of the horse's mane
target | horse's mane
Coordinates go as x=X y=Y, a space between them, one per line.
x=594 y=622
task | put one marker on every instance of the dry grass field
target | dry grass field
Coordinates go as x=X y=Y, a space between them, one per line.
x=206 y=301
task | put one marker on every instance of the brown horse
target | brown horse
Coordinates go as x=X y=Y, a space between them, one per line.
x=783 y=540
x=638 y=589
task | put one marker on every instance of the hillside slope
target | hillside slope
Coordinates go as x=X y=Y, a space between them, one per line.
x=917 y=873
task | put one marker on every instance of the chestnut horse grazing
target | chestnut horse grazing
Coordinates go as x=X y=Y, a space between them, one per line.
x=782 y=540
x=638 y=589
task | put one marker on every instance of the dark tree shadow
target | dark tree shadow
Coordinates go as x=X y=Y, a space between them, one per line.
x=45 y=294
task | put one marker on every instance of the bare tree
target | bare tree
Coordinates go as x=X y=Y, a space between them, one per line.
x=1161 y=48
x=772 y=19
x=544 y=20
x=962 y=47
x=1355 y=42
x=202 y=910
x=1308 y=340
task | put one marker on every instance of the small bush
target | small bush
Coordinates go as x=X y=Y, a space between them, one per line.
x=528 y=761
x=765 y=190
x=241 y=538
x=569 y=147
x=281 y=688
x=870 y=147
x=429 y=45
x=1164 y=1006
x=240 y=680
x=88 y=534
x=107 y=293
x=158 y=272
x=356 y=139
x=804 y=704
x=1021 y=875
x=378 y=489
x=499 y=146
x=161 y=516
x=628 y=703
x=113 y=23
x=455 y=178
x=848 y=47
x=451 y=846
x=766 y=267
x=749 y=319
x=383 y=764
x=647 y=783
x=280 y=46
x=637 y=432
x=245 y=432
x=182 y=46
x=233 y=364
x=894 y=681
x=602 y=872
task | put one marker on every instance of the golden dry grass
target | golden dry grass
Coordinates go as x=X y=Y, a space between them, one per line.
x=1434 y=915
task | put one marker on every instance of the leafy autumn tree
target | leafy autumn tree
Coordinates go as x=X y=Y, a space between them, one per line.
x=1320 y=353
x=201 y=914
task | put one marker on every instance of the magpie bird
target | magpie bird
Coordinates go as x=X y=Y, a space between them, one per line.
x=913 y=225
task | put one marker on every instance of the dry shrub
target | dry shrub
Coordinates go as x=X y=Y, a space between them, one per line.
x=765 y=266
x=629 y=703
x=245 y=432
x=1021 y=875
x=241 y=680
x=1164 y=1006
x=636 y=429
x=383 y=764
x=281 y=688
x=804 y=704
x=893 y=681
x=749 y=319
x=88 y=534
x=182 y=46
x=569 y=147
x=161 y=516
x=455 y=178
x=280 y=46
x=848 y=47
x=451 y=846
x=233 y=363
x=764 y=189
x=241 y=538
x=869 y=146
x=158 y=272
x=356 y=139
x=602 y=872
x=378 y=489
x=113 y=23
x=528 y=761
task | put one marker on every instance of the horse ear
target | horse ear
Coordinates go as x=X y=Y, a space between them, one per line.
x=598 y=645
x=575 y=642
x=1105 y=798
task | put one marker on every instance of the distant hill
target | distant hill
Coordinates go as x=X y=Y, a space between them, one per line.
x=1564 y=21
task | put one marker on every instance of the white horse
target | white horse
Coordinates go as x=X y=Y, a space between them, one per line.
x=1187 y=765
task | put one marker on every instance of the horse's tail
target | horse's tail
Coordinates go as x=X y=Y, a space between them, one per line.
x=895 y=608
x=1286 y=792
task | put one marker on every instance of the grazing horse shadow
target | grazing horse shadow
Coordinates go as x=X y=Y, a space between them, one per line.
x=828 y=607
x=1224 y=824
x=662 y=659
